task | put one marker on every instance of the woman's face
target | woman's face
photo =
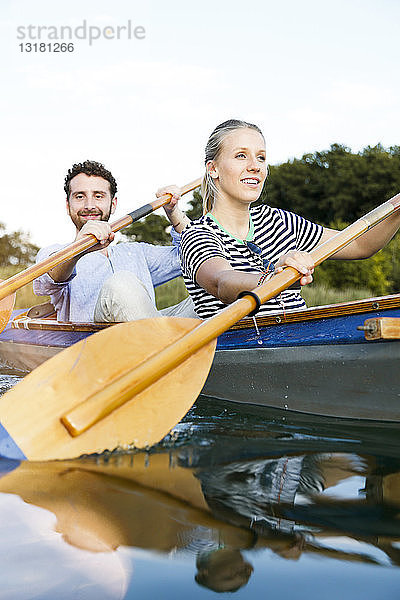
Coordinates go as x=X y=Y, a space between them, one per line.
x=240 y=170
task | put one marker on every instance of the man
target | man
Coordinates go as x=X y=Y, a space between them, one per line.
x=109 y=283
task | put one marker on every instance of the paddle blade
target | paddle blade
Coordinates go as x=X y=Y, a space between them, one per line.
x=31 y=411
x=6 y=308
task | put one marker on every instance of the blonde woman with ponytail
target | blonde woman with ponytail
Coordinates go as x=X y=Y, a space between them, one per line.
x=235 y=247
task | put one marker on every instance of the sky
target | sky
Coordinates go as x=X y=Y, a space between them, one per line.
x=309 y=73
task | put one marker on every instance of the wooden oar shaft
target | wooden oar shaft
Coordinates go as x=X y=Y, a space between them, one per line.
x=20 y=279
x=6 y=308
x=95 y=408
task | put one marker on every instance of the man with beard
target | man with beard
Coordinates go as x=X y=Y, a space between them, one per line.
x=109 y=283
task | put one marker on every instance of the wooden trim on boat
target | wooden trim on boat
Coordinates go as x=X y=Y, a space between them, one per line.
x=25 y=322
x=309 y=314
x=323 y=312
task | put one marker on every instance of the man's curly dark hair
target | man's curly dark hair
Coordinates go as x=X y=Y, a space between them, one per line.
x=90 y=167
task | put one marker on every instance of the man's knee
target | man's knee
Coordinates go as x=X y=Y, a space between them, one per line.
x=120 y=285
x=124 y=297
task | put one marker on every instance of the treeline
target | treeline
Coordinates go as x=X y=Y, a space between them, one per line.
x=334 y=188
x=16 y=248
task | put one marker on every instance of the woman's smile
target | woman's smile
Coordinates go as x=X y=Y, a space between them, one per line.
x=251 y=181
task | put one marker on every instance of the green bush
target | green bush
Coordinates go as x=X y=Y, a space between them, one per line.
x=380 y=274
x=373 y=273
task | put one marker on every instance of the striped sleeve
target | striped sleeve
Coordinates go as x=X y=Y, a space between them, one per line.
x=307 y=233
x=198 y=244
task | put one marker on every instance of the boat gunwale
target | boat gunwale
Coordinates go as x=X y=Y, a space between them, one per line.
x=282 y=318
x=323 y=312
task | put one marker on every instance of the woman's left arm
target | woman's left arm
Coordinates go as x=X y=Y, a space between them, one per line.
x=369 y=242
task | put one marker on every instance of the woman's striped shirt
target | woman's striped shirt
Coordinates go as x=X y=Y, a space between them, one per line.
x=273 y=230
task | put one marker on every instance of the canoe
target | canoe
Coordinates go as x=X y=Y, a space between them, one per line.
x=314 y=361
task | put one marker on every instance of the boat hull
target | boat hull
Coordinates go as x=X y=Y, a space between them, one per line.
x=25 y=357
x=25 y=350
x=315 y=361
x=342 y=380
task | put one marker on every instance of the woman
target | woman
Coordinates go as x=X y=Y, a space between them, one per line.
x=233 y=247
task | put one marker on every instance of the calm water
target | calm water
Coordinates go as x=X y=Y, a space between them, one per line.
x=261 y=505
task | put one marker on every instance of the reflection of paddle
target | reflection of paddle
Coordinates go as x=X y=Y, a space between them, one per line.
x=133 y=382
x=97 y=502
x=20 y=279
x=138 y=500
x=6 y=308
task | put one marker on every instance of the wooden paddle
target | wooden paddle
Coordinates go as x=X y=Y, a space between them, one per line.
x=132 y=382
x=6 y=308
x=12 y=284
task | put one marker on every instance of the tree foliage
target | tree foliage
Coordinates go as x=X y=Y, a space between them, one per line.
x=195 y=209
x=16 y=248
x=374 y=274
x=152 y=229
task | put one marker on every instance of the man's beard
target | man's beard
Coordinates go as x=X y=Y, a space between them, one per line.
x=79 y=222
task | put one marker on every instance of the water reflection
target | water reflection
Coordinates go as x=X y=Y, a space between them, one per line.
x=217 y=493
